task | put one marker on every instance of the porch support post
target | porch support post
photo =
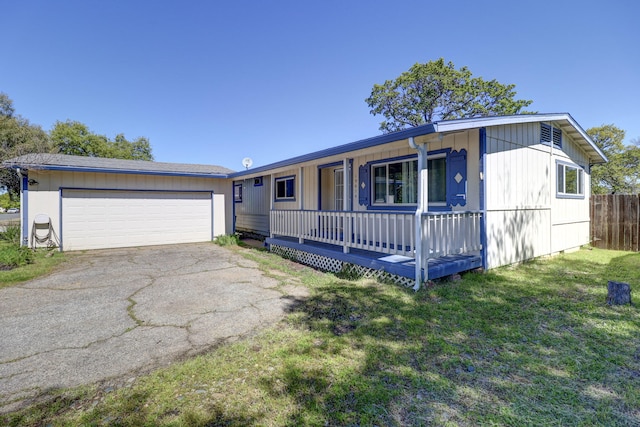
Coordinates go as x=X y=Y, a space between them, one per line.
x=346 y=196
x=272 y=196
x=423 y=199
x=300 y=204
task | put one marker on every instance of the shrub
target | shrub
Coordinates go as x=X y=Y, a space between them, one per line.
x=13 y=255
x=11 y=234
x=228 y=239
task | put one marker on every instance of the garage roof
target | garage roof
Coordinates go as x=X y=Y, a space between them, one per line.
x=68 y=163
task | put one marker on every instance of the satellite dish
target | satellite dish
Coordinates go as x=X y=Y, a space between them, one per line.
x=247 y=162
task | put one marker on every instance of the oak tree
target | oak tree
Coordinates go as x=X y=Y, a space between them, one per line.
x=621 y=174
x=17 y=137
x=438 y=91
x=75 y=138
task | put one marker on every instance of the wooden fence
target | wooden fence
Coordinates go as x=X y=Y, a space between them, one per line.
x=615 y=222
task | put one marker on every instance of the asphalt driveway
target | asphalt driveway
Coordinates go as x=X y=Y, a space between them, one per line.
x=113 y=314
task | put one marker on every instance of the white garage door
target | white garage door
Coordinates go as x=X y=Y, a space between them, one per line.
x=93 y=219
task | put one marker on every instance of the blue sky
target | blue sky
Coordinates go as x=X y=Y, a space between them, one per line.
x=212 y=82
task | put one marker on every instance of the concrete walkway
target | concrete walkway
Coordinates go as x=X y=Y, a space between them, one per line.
x=118 y=313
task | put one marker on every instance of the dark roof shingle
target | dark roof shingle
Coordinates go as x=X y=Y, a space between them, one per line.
x=63 y=161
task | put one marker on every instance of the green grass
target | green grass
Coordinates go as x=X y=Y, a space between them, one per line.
x=19 y=264
x=529 y=345
x=13 y=255
x=228 y=240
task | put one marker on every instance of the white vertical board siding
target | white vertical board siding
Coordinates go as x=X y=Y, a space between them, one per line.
x=518 y=172
x=94 y=219
x=44 y=198
x=570 y=216
x=219 y=215
x=310 y=185
x=524 y=217
x=252 y=214
x=517 y=235
x=570 y=236
x=518 y=194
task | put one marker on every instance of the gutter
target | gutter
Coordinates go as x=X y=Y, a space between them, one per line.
x=24 y=207
x=119 y=171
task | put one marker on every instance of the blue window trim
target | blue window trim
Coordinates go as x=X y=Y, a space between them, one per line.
x=330 y=165
x=258 y=181
x=408 y=207
x=320 y=167
x=275 y=189
x=568 y=195
x=24 y=211
x=239 y=198
x=483 y=191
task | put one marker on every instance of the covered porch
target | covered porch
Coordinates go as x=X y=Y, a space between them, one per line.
x=384 y=241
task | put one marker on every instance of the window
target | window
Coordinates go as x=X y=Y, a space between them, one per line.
x=570 y=180
x=338 y=189
x=396 y=183
x=257 y=182
x=285 y=188
x=550 y=135
x=237 y=193
x=437 y=180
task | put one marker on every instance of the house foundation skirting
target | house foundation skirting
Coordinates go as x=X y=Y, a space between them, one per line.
x=333 y=265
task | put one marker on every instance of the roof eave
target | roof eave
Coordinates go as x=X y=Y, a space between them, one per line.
x=341 y=149
x=466 y=124
x=27 y=166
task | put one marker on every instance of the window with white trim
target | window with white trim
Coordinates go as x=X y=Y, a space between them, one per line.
x=396 y=183
x=570 y=180
x=285 y=188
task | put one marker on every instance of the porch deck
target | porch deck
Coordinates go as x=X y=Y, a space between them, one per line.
x=395 y=264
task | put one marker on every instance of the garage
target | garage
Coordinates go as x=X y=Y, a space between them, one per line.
x=100 y=203
x=95 y=219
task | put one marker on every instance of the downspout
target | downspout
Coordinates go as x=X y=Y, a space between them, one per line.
x=420 y=209
x=24 y=208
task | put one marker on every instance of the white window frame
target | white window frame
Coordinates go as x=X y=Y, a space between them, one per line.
x=385 y=164
x=286 y=197
x=338 y=189
x=561 y=180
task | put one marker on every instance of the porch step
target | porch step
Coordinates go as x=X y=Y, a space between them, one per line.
x=401 y=266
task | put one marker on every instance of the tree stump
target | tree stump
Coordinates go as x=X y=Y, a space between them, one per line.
x=618 y=293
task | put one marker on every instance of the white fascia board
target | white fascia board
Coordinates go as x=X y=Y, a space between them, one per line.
x=474 y=123
x=444 y=127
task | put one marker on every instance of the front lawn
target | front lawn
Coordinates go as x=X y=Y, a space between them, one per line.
x=529 y=345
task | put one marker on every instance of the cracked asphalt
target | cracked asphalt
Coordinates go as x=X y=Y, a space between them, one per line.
x=118 y=313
